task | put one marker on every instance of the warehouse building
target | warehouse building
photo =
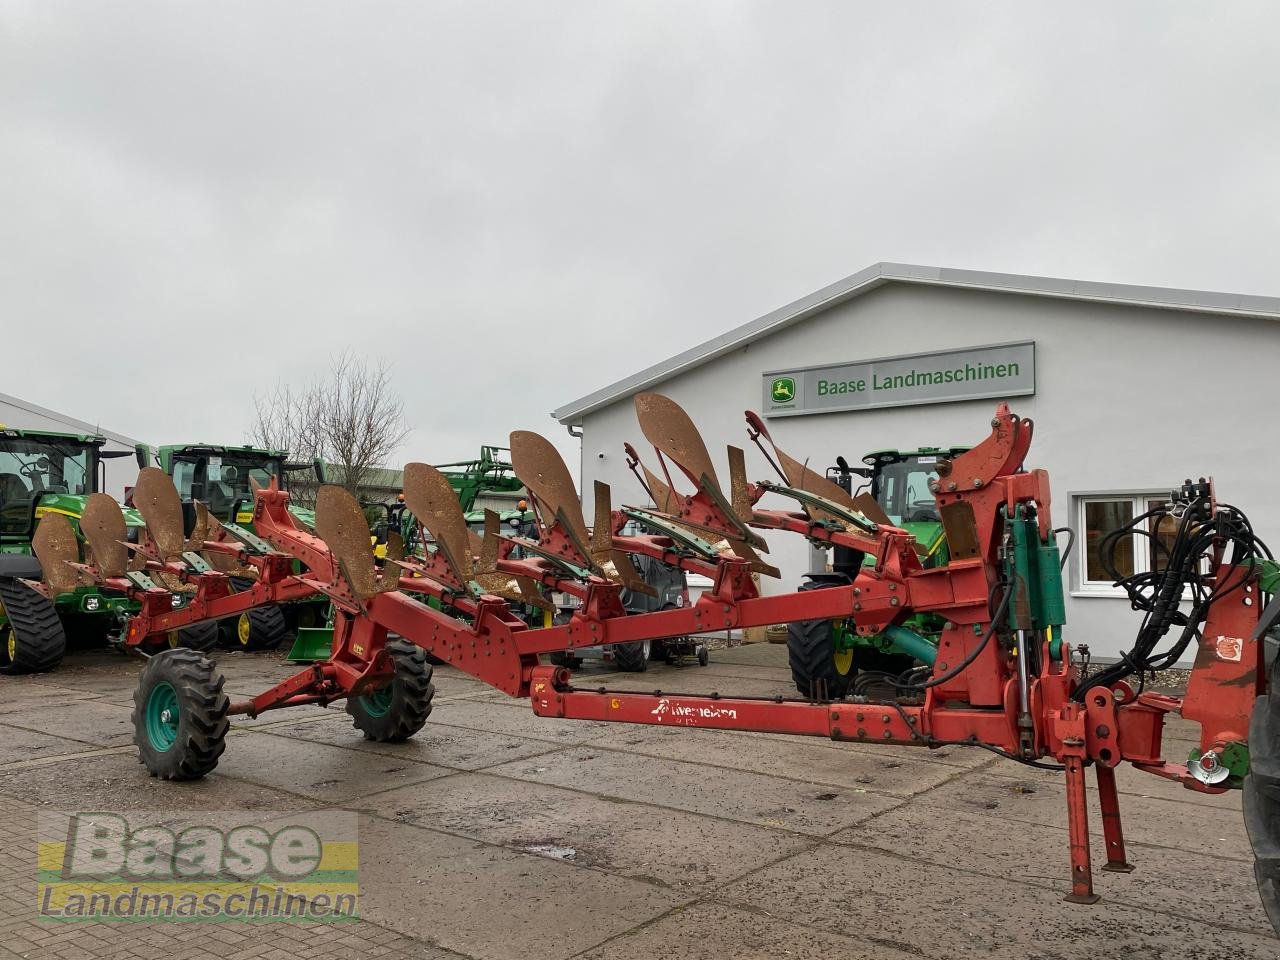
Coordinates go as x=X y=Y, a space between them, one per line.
x=1132 y=389
x=121 y=471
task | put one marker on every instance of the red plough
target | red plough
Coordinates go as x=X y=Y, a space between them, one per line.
x=1002 y=679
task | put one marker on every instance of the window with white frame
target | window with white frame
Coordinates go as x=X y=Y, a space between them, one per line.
x=1144 y=549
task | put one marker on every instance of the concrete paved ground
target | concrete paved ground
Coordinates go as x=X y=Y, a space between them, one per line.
x=499 y=834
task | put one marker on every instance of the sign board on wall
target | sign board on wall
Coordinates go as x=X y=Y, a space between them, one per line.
x=970 y=373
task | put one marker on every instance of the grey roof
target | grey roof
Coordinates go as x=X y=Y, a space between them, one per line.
x=71 y=424
x=1166 y=298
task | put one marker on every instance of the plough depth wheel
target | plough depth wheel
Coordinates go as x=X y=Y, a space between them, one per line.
x=180 y=715
x=400 y=709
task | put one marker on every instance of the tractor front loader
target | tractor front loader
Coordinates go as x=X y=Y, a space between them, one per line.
x=1003 y=677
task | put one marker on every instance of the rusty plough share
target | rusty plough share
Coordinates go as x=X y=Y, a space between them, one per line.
x=1003 y=679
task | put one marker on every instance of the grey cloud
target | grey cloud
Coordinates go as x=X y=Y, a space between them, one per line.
x=518 y=203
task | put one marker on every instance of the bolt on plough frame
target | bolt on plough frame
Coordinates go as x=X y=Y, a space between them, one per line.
x=1002 y=677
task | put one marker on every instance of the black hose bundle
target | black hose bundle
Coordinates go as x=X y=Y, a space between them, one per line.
x=1182 y=576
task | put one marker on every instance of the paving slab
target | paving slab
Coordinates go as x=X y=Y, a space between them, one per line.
x=1190 y=884
x=318 y=771
x=771 y=654
x=940 y=911
x=454 y=747
x=1150 y=820
x=711 y=931
x=809 y=760
x=17 y=743
x=19 y=693
x=614 y=835
x=507 y=715
x=92 y=721
x=118 y=782
x=1130 y=782
x=731 y=794
x=489 y=902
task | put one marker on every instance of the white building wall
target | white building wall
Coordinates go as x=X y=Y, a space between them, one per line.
x=1127 y=399
x=22 y=415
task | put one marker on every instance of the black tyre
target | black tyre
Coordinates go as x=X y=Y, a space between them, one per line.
x=261 y=628
x=632 y=657
x=400 y=709
x=202 y=636
x=704 y=656
x=1262 y=796
x=815 y=667
x=32 y=639
x=180 y=715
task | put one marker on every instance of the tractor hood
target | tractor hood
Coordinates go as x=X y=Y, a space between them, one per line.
x=71 y=505
x=304 y=516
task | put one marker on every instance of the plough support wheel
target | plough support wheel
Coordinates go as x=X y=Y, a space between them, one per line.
x=180 y=715
x=400 y=709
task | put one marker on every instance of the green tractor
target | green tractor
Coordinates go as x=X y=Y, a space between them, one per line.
x=222 y=478
x=43 y=472
x=826 y=656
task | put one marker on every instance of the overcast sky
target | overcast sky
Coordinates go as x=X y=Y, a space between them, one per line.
x=516 y=204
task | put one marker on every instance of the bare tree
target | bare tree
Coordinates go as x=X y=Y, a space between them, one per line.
x=352 y=420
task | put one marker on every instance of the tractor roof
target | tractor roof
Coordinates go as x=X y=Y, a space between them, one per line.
x=88 y=438
x=893 y=456
x=225 y=448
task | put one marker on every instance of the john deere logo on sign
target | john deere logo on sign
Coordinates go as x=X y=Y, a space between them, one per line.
x=783 y=390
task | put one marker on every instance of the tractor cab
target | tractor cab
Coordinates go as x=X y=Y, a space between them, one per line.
x=223 y=477
x=49 y=473
x=42 y=471
x=899 y=483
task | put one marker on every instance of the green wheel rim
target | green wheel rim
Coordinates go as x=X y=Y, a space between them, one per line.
x=162 y=716
x=378 y=703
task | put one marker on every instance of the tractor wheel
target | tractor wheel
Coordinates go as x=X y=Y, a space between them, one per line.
x=632 y=657
x=202 y=636
x=261 y=628
x=1262 y=796
x=31 y=639
x=815 y=664
x=180 y=715
x=398 y=710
